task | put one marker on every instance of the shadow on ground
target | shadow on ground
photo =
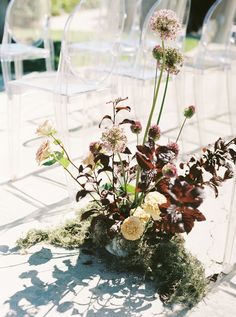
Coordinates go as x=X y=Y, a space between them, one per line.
x=81 y=286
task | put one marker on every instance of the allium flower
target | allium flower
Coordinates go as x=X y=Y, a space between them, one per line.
x=46 y=129
x=166 y=24
x=154 y=132
x=169 y=170
x=43 y=152
x=136 y=127
x=132 y=228
x=174 y=147
x=152 y=202
x=189 y=112
x=141 y=214
x=173 y=60
x=114 y=139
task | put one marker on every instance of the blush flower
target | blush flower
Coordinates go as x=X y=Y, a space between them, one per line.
x=43 y=152
x=152 y=202
x=46 y=129
x=132 y=228
x=173 y=60
x=114 y=140
x=141 y=214
x=169 y=170
x=166 y=24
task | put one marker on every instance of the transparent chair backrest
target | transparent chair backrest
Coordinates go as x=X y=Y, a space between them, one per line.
x=149 y=39
x=27 y=21
x=218 y=23
x=132 y=27
x=91 y=41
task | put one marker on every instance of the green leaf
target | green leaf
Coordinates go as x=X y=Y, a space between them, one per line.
x=58 y=155
x=57 y=142
x=49 y=163
x=64 y=162
x=130 y=188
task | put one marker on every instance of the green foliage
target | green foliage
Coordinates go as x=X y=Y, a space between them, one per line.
x=60 y=6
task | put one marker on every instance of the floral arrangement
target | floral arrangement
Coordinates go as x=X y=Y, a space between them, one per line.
x=141 y=202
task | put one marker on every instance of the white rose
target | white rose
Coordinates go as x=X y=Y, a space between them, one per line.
x=45 y=129
x=152 y=202
x=141 y=214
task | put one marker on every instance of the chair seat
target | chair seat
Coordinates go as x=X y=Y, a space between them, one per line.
x=47 y=81
x=15 y=51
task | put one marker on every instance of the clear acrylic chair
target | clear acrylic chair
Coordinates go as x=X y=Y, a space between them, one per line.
x=230 y=244
x=142 y=73
x=26 y=28
x=88 y=54
x=210 y=70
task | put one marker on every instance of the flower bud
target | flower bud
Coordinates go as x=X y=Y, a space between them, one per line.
x=157 y=52
x=136 y=127
x=154 y=132
x=189 y=112
x=174 y=147
x=169 y=170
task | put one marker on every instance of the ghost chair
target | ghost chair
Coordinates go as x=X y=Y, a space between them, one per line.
x=209 y=70
x=26 y=28
x=81 y=70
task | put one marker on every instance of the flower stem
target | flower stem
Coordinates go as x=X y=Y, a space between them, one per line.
x=180 y=131
x=123 y=172
x=156 y=92
x=163 y=99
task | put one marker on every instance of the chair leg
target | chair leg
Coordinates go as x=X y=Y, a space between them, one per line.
x=18 y=68
x=230 y=245
x=14 y=123
x=61 y=117
x=6 y=72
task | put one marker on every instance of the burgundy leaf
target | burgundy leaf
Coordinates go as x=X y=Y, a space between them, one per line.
x=81 y=194
x=125 y=121
x=87 y=214
x=120 y=108
x=146 y=151
x=105 y=117
x=143 y=162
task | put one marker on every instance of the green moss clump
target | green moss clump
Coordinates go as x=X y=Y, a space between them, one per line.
x=178 y=276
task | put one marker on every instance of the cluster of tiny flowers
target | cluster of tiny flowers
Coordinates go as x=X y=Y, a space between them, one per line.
x=114 y=140
x=173 y=59
x=136 y=127
x=166 y=24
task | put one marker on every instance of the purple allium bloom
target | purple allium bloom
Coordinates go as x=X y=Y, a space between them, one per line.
x=157 y=53
x=189 y=112
x=166 y=24
x=154 y=132
x=174 y=147
x=169 y=170
x=136 y=127
x=114 y=140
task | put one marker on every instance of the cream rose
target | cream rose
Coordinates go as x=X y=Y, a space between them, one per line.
x=43 y=152
x=152 y=202
x=132 y=228
x=45 y=129
x=141 y=214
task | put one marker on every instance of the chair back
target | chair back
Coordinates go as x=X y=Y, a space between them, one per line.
x=218 y=34
x=27 y=22
x=91 y=42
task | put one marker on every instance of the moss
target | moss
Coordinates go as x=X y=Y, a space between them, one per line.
x=179 y=277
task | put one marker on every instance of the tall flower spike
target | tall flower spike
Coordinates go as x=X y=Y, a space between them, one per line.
x=166 y=24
